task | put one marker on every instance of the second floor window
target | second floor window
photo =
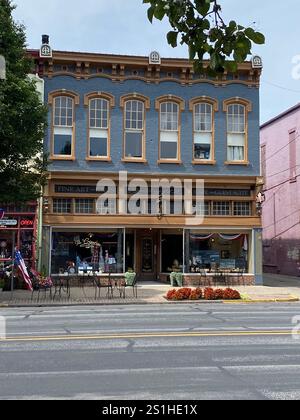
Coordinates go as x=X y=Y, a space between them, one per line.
x=98 y=128
x=134 y=129
x=203 y=131
x=169 y=131
x=236 y=133
x=63 y=126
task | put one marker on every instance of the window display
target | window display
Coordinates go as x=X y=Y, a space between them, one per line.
x=216 y=251
x=87 y=252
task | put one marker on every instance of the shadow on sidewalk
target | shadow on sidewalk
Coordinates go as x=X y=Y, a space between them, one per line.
x=278 y=280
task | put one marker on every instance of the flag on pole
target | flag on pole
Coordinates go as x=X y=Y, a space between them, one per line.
x=22 y=267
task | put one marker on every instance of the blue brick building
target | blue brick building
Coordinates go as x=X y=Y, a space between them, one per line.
x=151 y=119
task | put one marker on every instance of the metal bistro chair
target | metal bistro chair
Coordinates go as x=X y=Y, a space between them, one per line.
x=38 y=287
x=86 y=280
x=241 y=277
x=62 y=284
x=103 y=283
x=203 y=278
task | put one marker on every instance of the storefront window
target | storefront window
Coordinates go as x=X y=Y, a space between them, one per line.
x=26 y=244
x=100 y=251
x=172 y=252
x=6 y=244
x=214 y=251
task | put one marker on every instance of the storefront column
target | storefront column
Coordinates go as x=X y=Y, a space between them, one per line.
x=46 y=250
x=124 y=250
x=257 y=250
x=120 y=251
x=186 y=251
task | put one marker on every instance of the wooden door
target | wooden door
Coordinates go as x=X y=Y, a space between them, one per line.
x=147 y=254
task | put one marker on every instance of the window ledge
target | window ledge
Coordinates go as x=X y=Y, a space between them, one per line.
x=133 y=160
x=204 y=162
x=169 y=161
x=70 y=158
x=100 y=159
x=237 y=163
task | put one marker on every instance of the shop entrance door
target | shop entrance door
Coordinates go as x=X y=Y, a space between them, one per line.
x=147 y=252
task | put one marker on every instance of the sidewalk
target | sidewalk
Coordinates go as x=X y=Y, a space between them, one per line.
x=276 y=288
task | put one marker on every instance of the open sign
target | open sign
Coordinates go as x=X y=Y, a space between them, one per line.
x=26 y=223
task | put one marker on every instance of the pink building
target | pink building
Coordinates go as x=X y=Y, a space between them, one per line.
x=280 y=157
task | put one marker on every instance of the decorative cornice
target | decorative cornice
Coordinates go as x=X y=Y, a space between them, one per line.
x=204 y=99
x=170 y=98
x=137 y=97
x=99 y=95
x=63 y=92
x=120 y=68
x=237 y=100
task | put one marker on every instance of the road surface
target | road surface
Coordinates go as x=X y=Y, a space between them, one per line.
x=192 y=351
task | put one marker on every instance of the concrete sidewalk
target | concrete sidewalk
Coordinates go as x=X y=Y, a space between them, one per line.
x=276 y=288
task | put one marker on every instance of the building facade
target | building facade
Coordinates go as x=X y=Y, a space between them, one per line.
x=280 y=151
x=151 y=119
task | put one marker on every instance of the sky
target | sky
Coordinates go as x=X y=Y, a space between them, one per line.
x=122 y=27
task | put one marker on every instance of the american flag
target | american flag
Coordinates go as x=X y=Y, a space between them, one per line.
x=22 y=267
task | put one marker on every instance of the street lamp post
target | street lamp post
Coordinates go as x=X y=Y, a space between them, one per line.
x=2 y=68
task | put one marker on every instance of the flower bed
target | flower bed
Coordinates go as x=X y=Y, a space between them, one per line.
x=206 y=294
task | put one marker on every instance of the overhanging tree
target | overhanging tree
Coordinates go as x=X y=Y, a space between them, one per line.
x=22 y=117
x=199 y=25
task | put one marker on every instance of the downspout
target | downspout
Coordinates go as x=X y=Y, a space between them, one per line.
x=40 y=230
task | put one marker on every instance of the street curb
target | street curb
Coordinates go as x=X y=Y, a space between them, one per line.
x=249 y=301
x=74 y=305
x=292 y=299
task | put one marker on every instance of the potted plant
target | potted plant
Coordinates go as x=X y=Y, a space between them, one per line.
x=176 y=279
x=130 y=277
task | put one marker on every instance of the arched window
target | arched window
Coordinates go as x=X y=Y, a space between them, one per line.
x=134 y=144
x=98 y=129
x=134 y=129
x=63 y=124
x=99 y=110
x=169 y=108
x=237 y=130
x=169 y=130
x=203 y=131
x=204 y=109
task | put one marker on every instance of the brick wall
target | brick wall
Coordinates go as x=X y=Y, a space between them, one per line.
x=153 y=91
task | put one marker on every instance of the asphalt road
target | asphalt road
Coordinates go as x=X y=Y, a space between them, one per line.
x=191 y=351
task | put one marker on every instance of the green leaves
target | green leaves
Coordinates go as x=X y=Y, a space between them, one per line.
x=254 y=36
x=172 y=38
x=200 y=25
x=22 y=117
x=202 y=6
